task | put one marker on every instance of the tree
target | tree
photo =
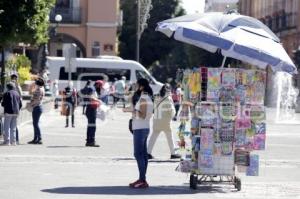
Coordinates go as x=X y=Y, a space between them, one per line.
x=20 y=64
x=154 y=45
x=24 y=21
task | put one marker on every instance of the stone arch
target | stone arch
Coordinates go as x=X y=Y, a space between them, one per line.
x=66 y=38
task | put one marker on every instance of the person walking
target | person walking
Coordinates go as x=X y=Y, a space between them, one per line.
x=105 y=91
x=70 y=103
x=14 y=79
x=12 y=104
x=91 y=114
x=177 y=98
x=37 y=110
x=142 y=113
x=120 y=87
x=55 y=93
x=164 y=111
x=83 y=95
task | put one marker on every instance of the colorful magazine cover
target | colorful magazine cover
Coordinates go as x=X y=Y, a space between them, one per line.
x=228 y=77
x=260 y=128
x=257 y=113
x=240 y=138
x=253 y=168
x=208 y=114
x=241 y=77
x=249 y=141
x=213 y=83
x=240 y=94
x=207 y=141
x=259 y=142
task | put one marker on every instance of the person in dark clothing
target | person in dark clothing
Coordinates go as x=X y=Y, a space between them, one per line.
x=83 y=93
x=70 y=102
x=91 y=114
x=12 y=104
x=14 y=79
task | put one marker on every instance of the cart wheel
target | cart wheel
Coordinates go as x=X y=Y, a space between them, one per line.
x=237 y=183
x=193 y=181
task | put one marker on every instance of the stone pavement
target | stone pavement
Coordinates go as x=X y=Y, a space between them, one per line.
x=63 y=168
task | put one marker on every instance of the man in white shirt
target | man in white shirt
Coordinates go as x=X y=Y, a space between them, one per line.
x=120 y=87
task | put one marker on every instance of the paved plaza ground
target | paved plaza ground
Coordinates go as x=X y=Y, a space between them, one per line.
x=64 y=168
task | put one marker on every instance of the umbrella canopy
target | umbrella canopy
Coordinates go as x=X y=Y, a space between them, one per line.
x=237 y=36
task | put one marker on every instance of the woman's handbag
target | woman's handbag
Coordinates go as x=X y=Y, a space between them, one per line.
x=29 y=107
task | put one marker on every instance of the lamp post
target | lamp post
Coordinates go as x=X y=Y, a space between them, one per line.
x=143 y=9
x=52 y=33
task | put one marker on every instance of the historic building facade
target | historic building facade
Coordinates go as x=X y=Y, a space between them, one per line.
x=90 y=24
x=280 y=16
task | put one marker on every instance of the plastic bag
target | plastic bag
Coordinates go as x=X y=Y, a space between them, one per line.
x=102 y=112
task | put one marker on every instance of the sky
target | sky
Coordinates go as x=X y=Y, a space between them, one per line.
x=192 y=6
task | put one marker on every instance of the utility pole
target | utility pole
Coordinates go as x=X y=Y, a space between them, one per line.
x=138 y=30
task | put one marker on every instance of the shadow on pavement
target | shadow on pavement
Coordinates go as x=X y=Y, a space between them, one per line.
x=152 y=160
x=66 y=147
x=125 y=190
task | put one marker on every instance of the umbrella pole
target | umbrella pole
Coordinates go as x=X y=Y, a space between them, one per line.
x=223 y=62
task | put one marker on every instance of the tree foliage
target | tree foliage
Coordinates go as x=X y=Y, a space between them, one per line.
x=20 y=64
x=154 y=46
x=24 y=21
x=162 y=55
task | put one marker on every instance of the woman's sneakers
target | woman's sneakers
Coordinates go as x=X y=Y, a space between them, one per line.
x=139 y=184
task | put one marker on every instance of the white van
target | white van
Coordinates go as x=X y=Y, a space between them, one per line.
x=94 y=68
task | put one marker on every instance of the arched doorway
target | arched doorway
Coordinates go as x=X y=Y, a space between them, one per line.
x=56 y=44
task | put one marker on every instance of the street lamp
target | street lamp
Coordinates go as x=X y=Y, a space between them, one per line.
x=143 y=9
x=52 y=33
x=58 y=18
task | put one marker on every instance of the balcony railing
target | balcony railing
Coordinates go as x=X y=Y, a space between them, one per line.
x=69 y=15
x=282 y=22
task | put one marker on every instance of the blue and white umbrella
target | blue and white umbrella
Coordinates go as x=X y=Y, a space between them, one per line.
x=237 y=36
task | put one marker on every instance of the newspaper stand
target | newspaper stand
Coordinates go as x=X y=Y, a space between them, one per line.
x=216 y=151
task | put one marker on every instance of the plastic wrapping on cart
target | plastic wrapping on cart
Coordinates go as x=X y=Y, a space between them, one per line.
x=186 y=166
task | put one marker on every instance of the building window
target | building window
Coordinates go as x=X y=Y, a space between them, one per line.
x=78 y=53
x=108 y=47
x=63 y=4
x=59 y=53
x=96 y=49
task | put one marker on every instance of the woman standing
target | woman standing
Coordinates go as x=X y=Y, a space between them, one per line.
x=36 y=104
x=164 y=111
x=142 y=114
